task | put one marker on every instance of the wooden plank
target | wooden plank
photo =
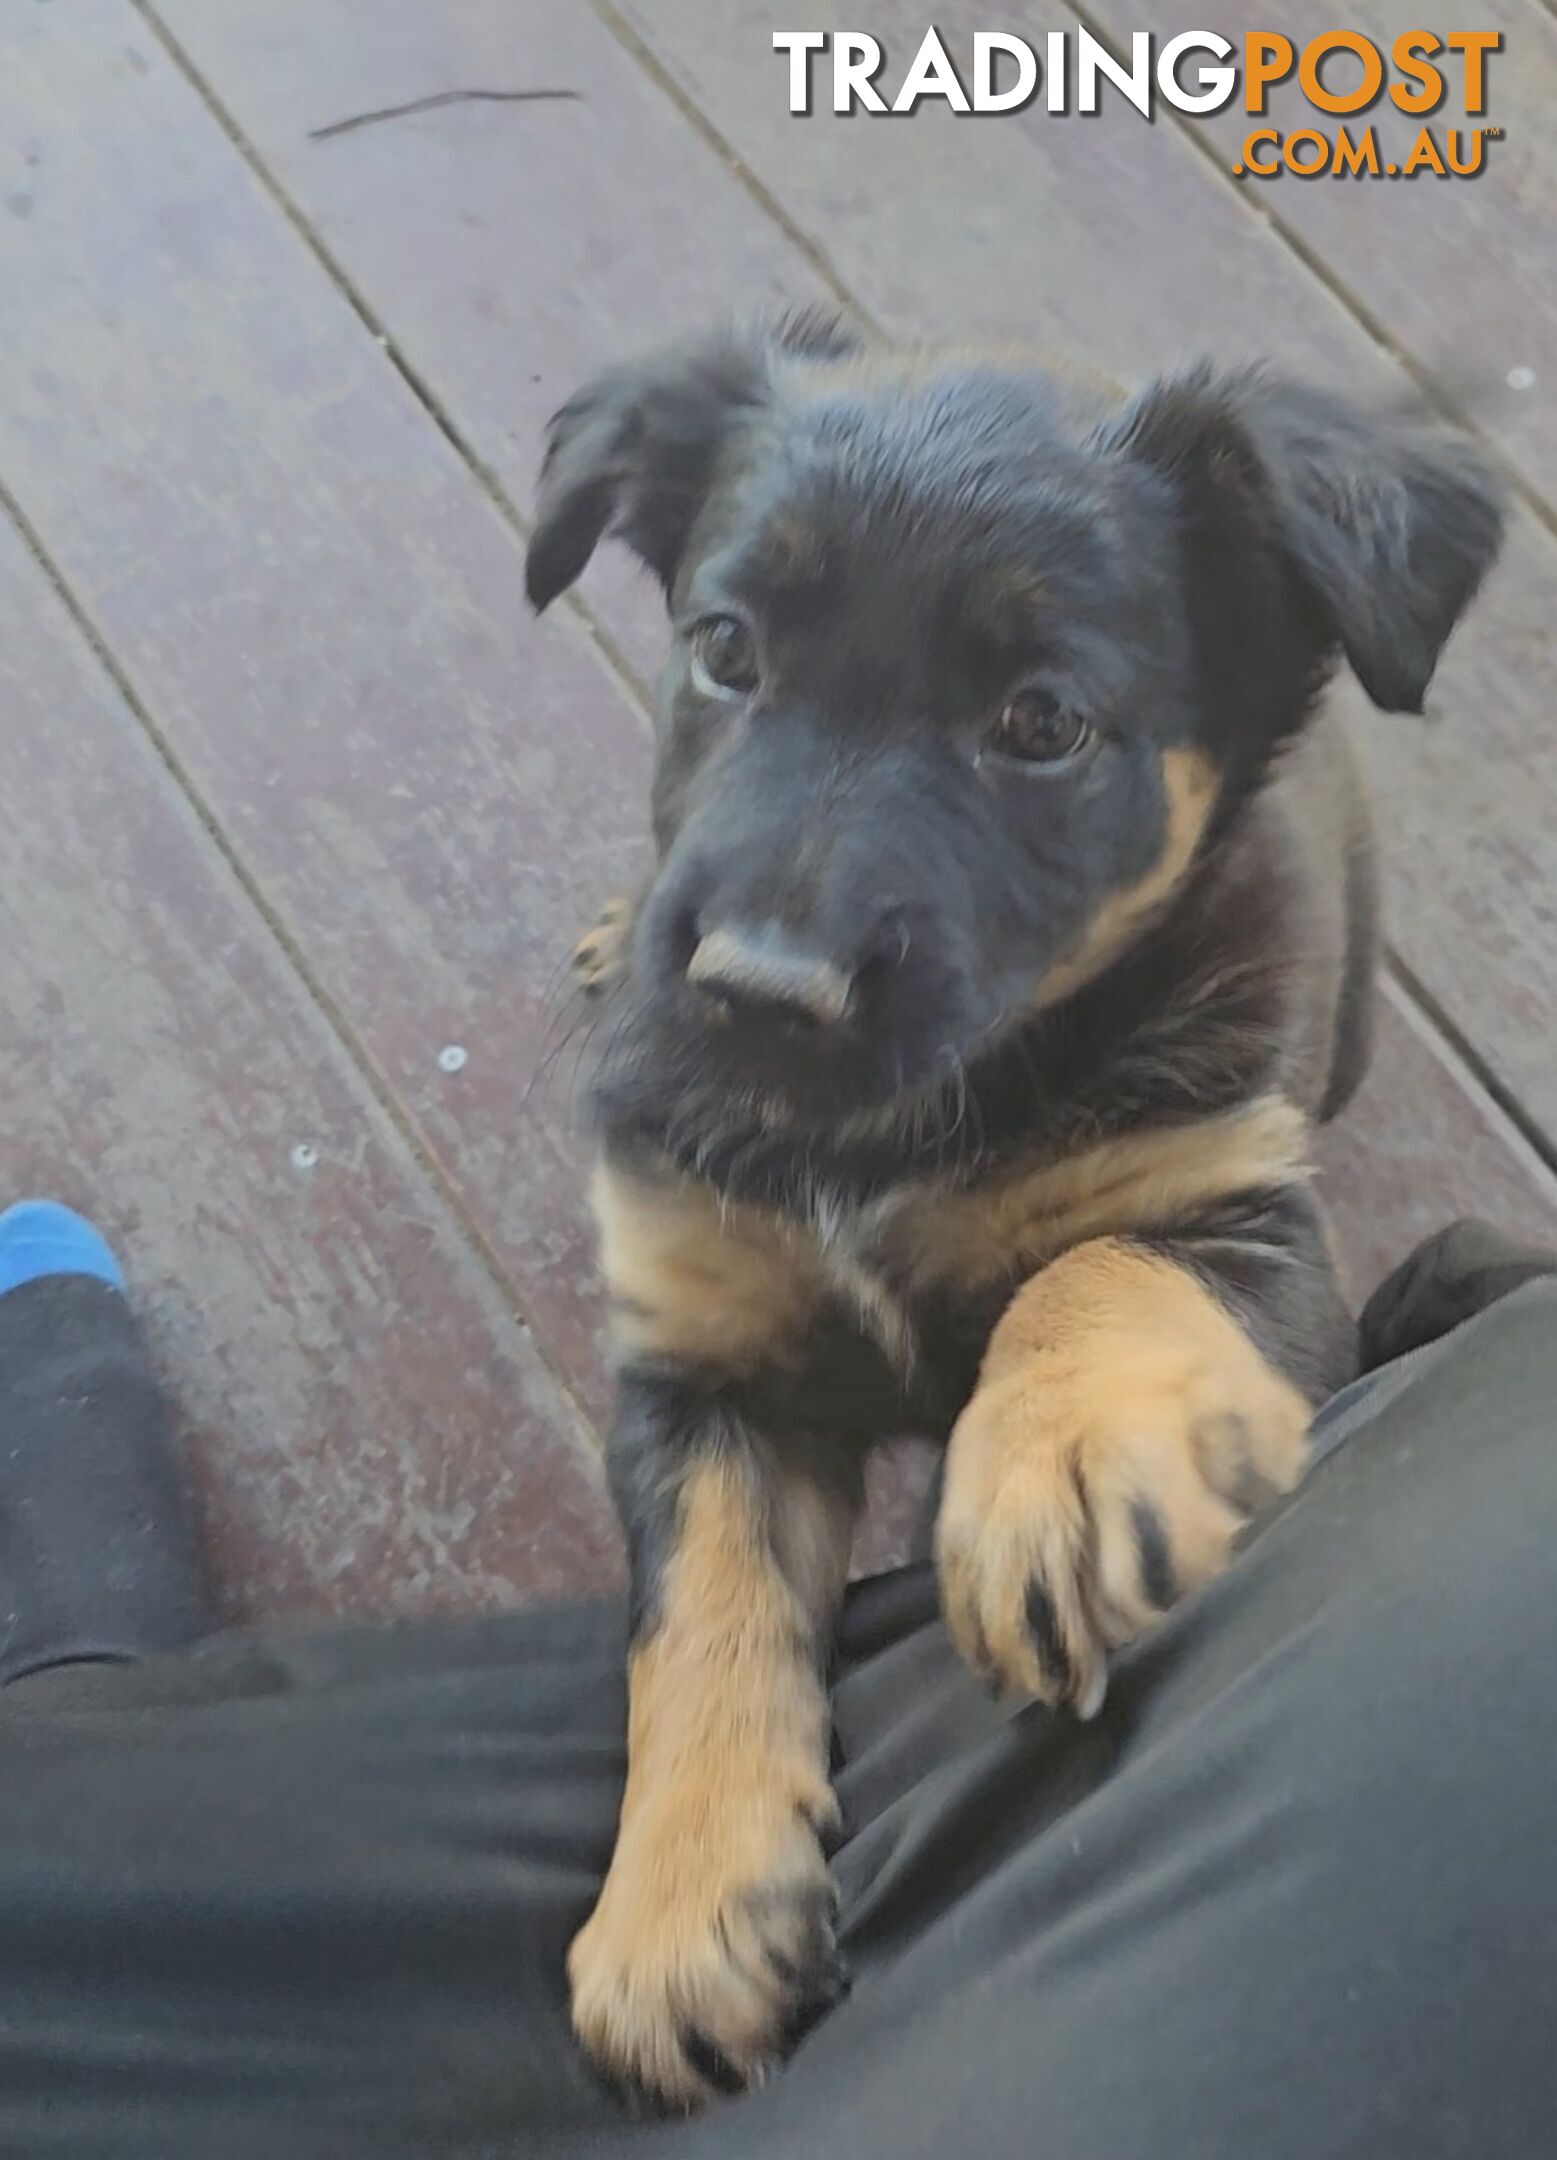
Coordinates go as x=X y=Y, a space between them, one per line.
x=514 y=248
x=1457 y=273
x=370 y=1428
x=324 y=612
x=1028 y=224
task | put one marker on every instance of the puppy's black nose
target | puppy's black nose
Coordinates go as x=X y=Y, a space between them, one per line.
x=766 y=974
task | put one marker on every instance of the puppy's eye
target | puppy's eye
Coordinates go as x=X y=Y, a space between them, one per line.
x=724 y=657
x=1033 y=728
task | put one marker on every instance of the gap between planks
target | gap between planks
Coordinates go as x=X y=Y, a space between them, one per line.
x=1259 y=207
x=811 y=250
x=596 y=631
x=1415 y=991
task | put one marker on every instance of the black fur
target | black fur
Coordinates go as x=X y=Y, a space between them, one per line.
x=1354 y=1008
x=1188 y=1023
x=1183 y=576
x=1265 y=1255
x=636 y=451
x=1388 y=528
x=1159 y=1586
x=1048 y=1642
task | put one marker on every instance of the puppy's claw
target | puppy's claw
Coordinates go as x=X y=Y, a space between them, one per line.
x=1090 y=1702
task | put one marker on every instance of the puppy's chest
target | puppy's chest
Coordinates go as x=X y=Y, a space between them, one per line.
x=919 y=1271
x=701 y=1279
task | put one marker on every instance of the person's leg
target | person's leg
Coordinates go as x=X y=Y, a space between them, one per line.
x=1290 y=1893
x=1293 y=1893
x=98 y=1556
x=1449 y=1279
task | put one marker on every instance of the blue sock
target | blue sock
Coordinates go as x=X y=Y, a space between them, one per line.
x=39 y=1237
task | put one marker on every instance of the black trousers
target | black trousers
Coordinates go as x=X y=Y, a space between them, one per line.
x=1293 y=1894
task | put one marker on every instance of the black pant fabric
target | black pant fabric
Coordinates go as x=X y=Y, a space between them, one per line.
x=1292 y=1894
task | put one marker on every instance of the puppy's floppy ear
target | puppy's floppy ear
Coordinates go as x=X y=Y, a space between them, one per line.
x=635 y=451
x=1388 y=525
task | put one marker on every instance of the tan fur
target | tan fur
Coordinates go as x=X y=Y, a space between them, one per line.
x=1189 y=783
x=965 y=1240
x=1008 y=602
x=1114 y=1379
x=892 y=367
x=718 y=1870
x=699 y=1280
x=795 y=551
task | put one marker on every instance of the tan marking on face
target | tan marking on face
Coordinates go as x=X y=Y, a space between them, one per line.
x=796 y=550
x=968 y=1240
x=1008 y=601
x=718 y=1884
x=1189 y=785
x=1116 y=1390
x=1018 y=588
x=698 y=1280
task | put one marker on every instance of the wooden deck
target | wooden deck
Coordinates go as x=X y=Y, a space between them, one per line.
x=300 y=810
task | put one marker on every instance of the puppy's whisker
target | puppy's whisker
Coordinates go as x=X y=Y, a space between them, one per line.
x=561 y=1029
x=577 y=1036
x=559 y=983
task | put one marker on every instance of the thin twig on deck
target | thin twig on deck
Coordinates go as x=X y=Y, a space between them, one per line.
x=443 y=97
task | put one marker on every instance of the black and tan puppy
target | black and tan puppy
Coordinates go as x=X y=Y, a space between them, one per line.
x=1012 y=924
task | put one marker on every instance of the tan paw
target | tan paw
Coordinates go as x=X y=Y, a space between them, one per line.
x=710 y=1950
x=601 y=953
x=1123 y=1431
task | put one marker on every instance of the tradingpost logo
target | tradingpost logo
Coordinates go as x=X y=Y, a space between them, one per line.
x=1437 y=82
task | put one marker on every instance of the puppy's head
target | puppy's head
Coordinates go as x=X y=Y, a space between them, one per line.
x=965 y=672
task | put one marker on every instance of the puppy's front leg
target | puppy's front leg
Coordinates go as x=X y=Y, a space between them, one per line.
x=713 y=1936
x=1124 y=1426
